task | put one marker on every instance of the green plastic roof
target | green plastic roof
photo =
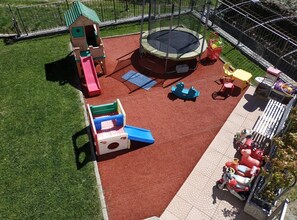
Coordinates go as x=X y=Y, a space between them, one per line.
x=79 y=9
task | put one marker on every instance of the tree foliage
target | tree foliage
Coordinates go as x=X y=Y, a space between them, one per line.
x=282 y=171
x=284 y=6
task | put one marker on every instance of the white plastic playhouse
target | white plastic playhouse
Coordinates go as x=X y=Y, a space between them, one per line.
x=109 y=129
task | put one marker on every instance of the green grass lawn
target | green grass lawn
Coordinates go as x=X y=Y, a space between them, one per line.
x=240 y=61
x=40 y=176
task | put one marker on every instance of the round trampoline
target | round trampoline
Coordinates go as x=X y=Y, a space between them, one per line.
x=180 y=43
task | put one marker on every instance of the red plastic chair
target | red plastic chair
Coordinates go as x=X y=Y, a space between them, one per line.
x=227 y=83
x=226 y=89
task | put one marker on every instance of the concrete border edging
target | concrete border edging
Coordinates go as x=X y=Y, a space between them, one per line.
x=96 y=170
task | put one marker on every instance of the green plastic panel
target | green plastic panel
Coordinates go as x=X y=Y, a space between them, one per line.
x=79 y=9
x=78 y=32
x=104 y=109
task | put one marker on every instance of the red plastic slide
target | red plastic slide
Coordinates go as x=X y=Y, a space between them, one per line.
x=92 y=83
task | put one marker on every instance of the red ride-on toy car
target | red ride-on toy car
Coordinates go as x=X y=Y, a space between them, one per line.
x=256 y=151
x=238 y=186
x=241 y=169
x=214 y=46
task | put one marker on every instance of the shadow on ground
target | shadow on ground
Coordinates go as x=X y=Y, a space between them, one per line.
x=207 y=62
x=222 y=95
x=63 y=71
x=135 y=145
x=83 y=148
x=234 y=212
x=254 y=102
x=151 y=67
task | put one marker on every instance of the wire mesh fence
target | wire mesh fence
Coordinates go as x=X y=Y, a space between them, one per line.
x=114 y=10
x=271 y=35
x=163 y=14
x=40 y=17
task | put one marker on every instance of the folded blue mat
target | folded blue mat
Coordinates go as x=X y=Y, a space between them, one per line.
x=139 y=79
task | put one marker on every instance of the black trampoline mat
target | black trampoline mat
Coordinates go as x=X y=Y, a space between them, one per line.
x=181 y=42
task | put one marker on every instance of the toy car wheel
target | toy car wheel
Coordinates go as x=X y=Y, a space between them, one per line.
x=214 y=95
x=243 y=196
x=219 y=185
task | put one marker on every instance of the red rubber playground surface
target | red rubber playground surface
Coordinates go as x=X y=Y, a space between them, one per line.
x=140 y=182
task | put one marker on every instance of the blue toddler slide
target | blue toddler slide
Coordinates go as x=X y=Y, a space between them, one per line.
x=139 y=134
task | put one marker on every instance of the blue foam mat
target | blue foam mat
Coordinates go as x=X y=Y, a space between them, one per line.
x=139 y=79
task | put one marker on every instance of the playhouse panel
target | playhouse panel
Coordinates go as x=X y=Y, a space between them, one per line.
x=113 y=143
x=77 y=32
x=82 y=21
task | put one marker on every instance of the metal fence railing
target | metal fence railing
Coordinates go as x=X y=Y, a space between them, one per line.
x=39 y=17
x=237 y=17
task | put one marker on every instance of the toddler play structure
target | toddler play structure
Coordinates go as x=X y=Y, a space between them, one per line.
x=109 y=129
x=184 y=93
x=87 y=46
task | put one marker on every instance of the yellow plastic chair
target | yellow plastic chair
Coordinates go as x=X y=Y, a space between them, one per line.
x=228 y=69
